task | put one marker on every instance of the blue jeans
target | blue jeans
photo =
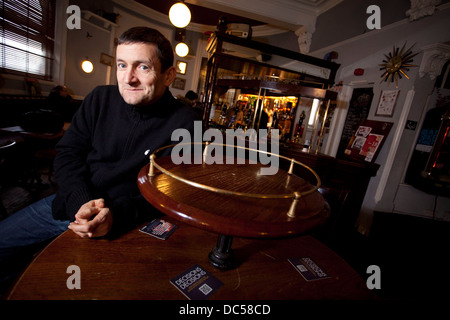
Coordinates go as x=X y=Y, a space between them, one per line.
x=24 y=232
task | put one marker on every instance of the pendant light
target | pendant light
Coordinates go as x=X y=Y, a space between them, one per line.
x=179 y=15
x=182 y=49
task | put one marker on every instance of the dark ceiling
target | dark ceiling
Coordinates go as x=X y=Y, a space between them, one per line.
x=200 y=15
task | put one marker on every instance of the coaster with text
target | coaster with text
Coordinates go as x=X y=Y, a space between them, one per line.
x=308 y=268
x=196 y=283
x=159 y=228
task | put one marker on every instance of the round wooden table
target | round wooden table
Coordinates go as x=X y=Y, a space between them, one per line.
x=253 y=205
x=137 y=266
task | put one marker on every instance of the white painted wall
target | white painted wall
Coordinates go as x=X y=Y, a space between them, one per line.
x=385 y=191
x=79 y=47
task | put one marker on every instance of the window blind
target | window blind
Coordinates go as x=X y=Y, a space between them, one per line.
x=27 y=29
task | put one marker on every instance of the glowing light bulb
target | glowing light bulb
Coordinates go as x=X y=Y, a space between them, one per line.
x=87 y=66
x=182 y=49
x=179 y=15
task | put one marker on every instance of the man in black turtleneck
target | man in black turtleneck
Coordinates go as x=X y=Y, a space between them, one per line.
x=107 y=143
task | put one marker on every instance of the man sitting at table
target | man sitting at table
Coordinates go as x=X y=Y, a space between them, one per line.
x=109 y=141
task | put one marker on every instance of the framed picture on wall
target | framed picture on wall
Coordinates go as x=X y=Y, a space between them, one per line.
x=179 y=83
x=106 y=59
x=368 y=140
x=181 y=67
x=387 y=103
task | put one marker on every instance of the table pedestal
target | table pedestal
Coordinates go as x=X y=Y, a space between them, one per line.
x=221 y=256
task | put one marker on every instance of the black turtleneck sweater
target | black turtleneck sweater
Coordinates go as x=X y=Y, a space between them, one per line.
x=101 y=153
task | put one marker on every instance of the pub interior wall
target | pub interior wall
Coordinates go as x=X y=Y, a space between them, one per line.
x=367 y=51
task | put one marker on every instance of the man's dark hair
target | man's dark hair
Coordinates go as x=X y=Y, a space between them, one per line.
x=149 y=35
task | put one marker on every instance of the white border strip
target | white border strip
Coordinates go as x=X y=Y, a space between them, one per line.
x=394 y=146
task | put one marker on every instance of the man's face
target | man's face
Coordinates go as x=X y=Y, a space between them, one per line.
x=139 y=73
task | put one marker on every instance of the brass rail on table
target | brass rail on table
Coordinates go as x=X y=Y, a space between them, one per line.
x=295 y=195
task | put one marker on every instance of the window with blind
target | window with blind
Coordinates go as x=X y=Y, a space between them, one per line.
x=27 y=29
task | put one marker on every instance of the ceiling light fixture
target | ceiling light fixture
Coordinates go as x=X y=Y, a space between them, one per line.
x=181 y=49
x=87 y=66
x=179 y=15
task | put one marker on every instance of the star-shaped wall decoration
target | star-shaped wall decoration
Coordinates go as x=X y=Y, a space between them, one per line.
x=396 y=64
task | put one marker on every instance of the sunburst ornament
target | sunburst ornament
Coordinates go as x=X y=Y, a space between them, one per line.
x=396 y=64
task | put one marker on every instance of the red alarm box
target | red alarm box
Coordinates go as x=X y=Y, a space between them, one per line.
x=358 y=72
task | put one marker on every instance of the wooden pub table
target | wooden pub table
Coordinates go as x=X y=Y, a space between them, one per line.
x=242 y=227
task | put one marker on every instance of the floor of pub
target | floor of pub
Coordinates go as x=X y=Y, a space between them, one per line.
x=411 y=252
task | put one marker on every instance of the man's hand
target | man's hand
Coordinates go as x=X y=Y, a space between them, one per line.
x=92 y=220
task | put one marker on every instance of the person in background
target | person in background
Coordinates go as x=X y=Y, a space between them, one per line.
x=99 y=157
x=230 y=116
x=60 y=101
x=190 y=99
x=240 y=116
x=262 y=118
x=191 y=95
